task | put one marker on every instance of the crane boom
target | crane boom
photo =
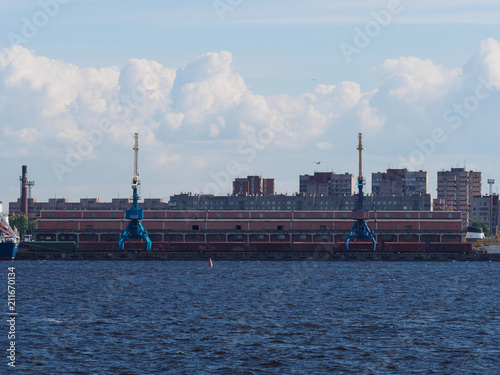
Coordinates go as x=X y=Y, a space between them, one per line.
x=360 y=148
x=135 y=179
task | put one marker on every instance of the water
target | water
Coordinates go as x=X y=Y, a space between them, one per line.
x=104 y=317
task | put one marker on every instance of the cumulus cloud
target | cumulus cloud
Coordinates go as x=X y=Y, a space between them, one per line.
x=410 y=79
x=48 y=104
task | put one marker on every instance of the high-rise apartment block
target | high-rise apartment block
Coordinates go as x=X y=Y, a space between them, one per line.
x=327 y=183
x=253 y=185
x=457 y=187
x=399 y=182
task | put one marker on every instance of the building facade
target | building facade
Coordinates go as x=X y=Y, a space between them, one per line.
x=253 y=185
x=298 y=202
x=250 y=226
x=456 y=188
x=327 y=183
x=84 y=204
x=485 y=209
x=399 y=182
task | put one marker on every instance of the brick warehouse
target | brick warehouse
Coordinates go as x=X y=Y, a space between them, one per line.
x=250 y=226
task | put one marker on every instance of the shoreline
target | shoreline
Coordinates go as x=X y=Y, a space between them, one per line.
x=320 y=255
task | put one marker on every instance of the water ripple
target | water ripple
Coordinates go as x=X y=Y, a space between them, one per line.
x=258 y=318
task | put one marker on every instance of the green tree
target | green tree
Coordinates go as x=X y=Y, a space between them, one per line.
x=22 y=224
x=480 y=224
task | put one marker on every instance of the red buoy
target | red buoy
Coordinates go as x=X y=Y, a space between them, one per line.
x=210 y=262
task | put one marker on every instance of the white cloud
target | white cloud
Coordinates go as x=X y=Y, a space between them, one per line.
x=49 y=105
x=411 y=79
x=324 y=145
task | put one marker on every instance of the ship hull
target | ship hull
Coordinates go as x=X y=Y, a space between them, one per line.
x=8 y=250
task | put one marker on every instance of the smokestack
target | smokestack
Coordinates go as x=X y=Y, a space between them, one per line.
x=24 y=191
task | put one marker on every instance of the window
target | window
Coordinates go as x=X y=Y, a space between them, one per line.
x=196 y=227
x=282 y=215
x=237 y=227
x=280 y=227
x=197 y=215
x=71 y=214
x=239 y=215
x=218 y=215
x=322 y=227
x=92 y=215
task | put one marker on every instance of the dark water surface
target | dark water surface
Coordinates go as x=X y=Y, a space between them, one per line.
x=107 y=317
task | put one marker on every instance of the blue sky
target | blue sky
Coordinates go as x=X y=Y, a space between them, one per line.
x=227 y=74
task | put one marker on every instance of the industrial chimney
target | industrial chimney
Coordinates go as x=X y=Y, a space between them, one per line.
x=24 y=191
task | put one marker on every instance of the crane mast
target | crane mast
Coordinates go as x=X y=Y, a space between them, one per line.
x=361 y=181
x=360 y=148
x=360 y=230
x=135 y=229
x=135 y=179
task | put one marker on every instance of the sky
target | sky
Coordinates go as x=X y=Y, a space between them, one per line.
x=220 y=89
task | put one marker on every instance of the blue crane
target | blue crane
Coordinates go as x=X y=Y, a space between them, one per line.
x=360 y=230
x=135 y=229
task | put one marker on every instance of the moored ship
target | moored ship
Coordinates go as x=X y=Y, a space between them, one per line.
x=474 y=234
x=9 y=239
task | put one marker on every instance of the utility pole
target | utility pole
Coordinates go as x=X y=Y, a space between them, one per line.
x=491 y=182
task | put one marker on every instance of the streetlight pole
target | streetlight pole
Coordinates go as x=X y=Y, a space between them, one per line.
x=491 y=182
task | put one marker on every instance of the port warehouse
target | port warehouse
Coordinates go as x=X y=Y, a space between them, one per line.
x=249 y=227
